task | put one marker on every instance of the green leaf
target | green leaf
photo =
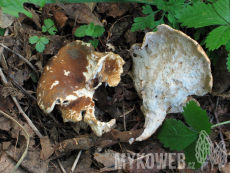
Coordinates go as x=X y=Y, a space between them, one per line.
x=33 y=39
x=49 y=26
x=190 y=157
x=176 y=135
x=228 y=62
x=147 y=9
x=48 y=23
x=94 y=43
x=44 y=29
x=196 y=118
x=44 y=40
x=40 y=46
x=227 y=46
x=218 y=37
x=98 y=31
x=81 y=31
x=2 y=31
x=222 y=8
x=13 y=7
x=200 y=15
x=52 y=31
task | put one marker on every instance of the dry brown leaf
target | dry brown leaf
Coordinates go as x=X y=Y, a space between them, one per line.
x=81 y=12
x=113 y=9
x=6 y=103
x=31 y=162
x=7 y=164
x=47 y=149
x=59 y=16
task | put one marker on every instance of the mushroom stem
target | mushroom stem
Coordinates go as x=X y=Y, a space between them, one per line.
x=152 y=121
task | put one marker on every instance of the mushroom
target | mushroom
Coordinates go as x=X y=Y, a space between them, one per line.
x=168 y=67
x=70 y=78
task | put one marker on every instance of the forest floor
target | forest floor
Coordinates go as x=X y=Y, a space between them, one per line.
x=58 y=143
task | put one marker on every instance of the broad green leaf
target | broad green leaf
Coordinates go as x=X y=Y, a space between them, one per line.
x=40 y=46
x=196 y=118
x=200 y=15
x=13 y=7
x=33 y=39
x=98 y=31
x=176 y=135
x=81 y=31
x=190 y=157
x=222 y=8
x=227 y=46
x=218 y=37
x=44 y=40
x=94 y=43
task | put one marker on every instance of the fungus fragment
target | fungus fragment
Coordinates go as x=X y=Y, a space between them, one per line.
x=70 y=79
x=168 y=67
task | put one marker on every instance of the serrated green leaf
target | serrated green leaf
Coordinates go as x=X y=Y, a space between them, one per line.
x=40 y=46
x=13 y=7
x=91 y=26
x=98 y=31
x=44 y=40
x=176 y=135
x=48 y=23
x=218 y=37
x=147 y=9
x=81 y=31
x=227 y=46
x=52 y=31
x=228 y=62
x=222 y=8
x=200 y=15
x=89 y=32
x=44 y=29
x=199 y=32
x=190 y=157
x=196 y=118
x=33 y=39
x=94 y=43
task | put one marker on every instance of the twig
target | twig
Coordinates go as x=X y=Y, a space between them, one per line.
x=2 y=58
x=27 y=141
x=62 y=169
x=75 y=162
x=23 y=91
x=123 y=109
x=20 y=109
x=20 y=56
x=217 y=120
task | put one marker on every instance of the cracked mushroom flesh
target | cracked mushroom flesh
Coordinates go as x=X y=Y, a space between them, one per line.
x=168 y=67
x=70 y=78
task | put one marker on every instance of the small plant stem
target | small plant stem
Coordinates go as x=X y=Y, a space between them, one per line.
x=219 y=124
x=21 y=57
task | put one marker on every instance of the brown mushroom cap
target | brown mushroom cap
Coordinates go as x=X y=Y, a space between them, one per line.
x=70 y=79
x=167 y=68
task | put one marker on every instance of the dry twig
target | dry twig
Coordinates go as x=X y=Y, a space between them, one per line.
x=20 y=56
x=20 y=109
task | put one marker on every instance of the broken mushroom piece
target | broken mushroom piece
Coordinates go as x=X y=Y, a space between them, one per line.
x=167 y=67
x=70 y=79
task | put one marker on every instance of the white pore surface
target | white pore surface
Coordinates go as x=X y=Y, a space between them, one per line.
x=166 y=69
